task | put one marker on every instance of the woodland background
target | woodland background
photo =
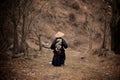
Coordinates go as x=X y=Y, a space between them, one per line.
x=27 y=27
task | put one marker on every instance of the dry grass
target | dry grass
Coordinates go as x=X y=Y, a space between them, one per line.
x=79 y=66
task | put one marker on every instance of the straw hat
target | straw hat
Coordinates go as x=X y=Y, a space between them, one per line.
x=59 y=34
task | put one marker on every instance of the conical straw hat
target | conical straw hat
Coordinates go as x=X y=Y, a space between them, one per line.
x=59 y=34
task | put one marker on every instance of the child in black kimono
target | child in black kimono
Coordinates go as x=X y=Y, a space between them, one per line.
x=58 y=46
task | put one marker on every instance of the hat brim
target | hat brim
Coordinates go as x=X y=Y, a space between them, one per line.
x=59 y=34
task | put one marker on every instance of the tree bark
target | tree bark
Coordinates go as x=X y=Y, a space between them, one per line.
x=115 y=26
x=23 y=38
x=40 y=44
x=15 y=44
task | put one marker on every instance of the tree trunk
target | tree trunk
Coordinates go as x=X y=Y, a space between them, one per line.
x=115 y=26
x=90 y=40
x=24 y=46
x=40 y=44
x=23 y=38
x=104 y=33
x=15 y=44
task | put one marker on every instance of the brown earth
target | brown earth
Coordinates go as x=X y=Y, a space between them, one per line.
x=78 y=66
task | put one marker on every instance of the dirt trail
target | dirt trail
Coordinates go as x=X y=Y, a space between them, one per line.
x=78 y=66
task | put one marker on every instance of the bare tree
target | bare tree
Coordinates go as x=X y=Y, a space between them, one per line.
x=5 y=40
x=21 y=11
x=38 y=33
x=106 y=26
x=90 y=29
x=39 y=29
x=27 y=18
x=115 y=26
x=15 y=15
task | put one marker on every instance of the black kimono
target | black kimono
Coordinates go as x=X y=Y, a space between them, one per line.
x=59 y=57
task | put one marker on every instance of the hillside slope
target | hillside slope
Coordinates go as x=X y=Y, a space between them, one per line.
x=82 y=21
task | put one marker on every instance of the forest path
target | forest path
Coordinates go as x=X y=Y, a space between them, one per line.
x=78 y=66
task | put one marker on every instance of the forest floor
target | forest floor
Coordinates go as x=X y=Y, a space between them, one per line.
x=78 y=66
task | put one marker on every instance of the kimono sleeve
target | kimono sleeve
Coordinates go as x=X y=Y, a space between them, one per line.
x=53 y=44
x=65 y=44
